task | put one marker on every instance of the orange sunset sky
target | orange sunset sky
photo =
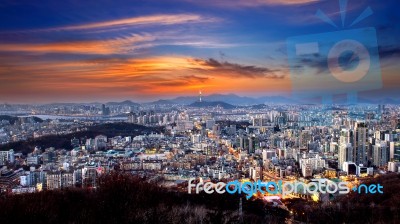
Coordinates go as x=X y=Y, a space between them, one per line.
x=89 y=51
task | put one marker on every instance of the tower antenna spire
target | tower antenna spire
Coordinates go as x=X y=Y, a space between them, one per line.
x=200 y=95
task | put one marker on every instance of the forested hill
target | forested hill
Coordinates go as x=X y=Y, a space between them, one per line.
x=127 y=199
x=64 y=141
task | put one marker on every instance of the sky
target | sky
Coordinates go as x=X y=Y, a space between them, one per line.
x=144 y=50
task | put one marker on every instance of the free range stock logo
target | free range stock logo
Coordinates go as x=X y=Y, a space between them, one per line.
x=283 y=188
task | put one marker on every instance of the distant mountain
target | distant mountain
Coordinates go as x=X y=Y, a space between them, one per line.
x=212 y=104
x=185 y=100
x=60 y=104
x=227 y=98
x=232 y=99
x=364 y=101
x=124 y=103
x=378 y=101
x=388 y=101
x=276 y=100
x=162 y=102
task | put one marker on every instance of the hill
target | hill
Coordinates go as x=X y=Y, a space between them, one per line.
x=123 y=103
x=13 y=119
x=64 y=141
x=212 y=104
x=228 y=98
x=126 y=199
x=162 y=102
x=8 y=118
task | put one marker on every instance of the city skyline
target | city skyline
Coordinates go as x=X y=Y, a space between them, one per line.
x=147 y=50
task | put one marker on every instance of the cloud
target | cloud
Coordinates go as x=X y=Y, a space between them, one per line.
x=199 y=44
x=275 y=2
x=194 y=78
x=319 y=63
x=238 y=70
x=96 y=77
x=314 y=61
x=389 y=52
x=255 y=3
x=389 y=57
x=150 y=20
x=126 y=44
x=180 y=81
x=109 y=46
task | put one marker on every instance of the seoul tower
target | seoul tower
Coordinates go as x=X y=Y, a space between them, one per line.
x=200 y=96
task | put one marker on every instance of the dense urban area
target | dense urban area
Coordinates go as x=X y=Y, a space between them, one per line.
x=59 y=147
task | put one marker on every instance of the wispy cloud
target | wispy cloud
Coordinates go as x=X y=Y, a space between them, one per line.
x=254 y=3
x=126 y=43
x=109 y=46
x=149 y=20
x=200 y=43
x=275 y=2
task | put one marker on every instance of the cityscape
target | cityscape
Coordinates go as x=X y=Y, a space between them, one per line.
x=199 y=112
x=173 y=143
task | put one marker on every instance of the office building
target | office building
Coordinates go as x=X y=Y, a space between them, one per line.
x=380 y=154
x=345 y=153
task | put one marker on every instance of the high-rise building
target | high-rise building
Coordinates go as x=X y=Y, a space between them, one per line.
x=77 y=177
x=210 y=124
x=7 y=156
x=393 y=166
x=307 y=170
x=100 y=142
x=244 y=142
x=260 y=121
x=333 y=147
x=394 y=154
x=49 y=156
x=11 y=156
x=253 y=144
x=360 y=143
x=196 y=138
x=3 y=157
x=216 y=129
x=305 y=138
x=59 y=180
x=268 y=154
x=346 y=136
x=232 y=129
x=165 y=119
x=75 y=142
x=32 y=160
x=132 y=118
x=89 y=175
x=105 y=110
x=256 y=171
x=350 y=168
x=345 y=153
x=380 y=154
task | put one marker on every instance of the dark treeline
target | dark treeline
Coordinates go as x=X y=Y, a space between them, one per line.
x=239 y=124
x=354 y=207
x=14 y=119
x=64 y=141
x=123 y=198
